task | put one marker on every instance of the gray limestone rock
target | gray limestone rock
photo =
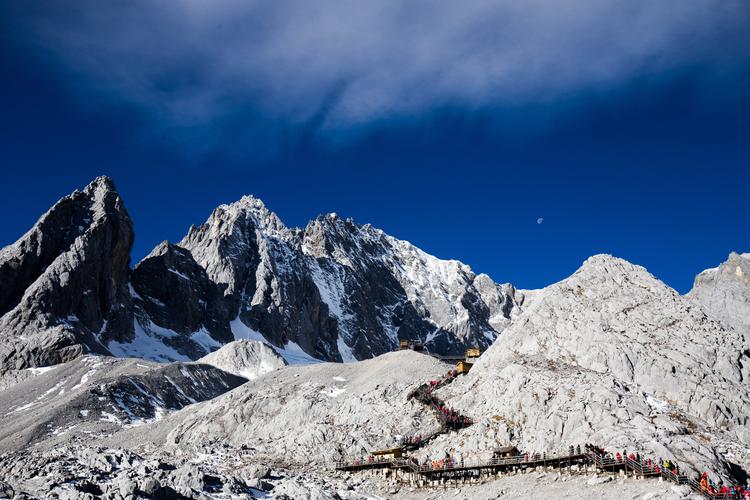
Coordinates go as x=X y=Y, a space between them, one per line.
x=724 y=292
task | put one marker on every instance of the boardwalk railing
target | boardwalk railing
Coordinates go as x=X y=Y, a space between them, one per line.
x=454 y=465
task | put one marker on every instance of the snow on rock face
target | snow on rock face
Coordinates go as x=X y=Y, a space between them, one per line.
x=245 y=358
x=334 y=291
x=177 y=305
x=342 y=291
x=611 y=356
x=724 y=292
x=64 y=284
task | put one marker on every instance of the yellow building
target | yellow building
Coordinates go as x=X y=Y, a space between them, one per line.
x=464 y=367
x=473 y=352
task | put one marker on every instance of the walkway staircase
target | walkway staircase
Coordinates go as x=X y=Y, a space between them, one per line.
x=451 y=469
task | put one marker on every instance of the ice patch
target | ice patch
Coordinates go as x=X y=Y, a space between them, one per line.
x=133 y=293
x=156 y=301
x=242 y=331
x=347 y=356
x=295 y=355
x=205 y=340
x=86 y=376
x=59 y=430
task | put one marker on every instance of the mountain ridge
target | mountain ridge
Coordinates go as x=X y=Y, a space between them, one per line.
x=334 y=289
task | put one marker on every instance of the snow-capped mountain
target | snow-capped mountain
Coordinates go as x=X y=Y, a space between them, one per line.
x=333 y=291
x=339 y=290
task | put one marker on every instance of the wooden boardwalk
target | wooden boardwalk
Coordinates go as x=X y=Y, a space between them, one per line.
x=455 y=470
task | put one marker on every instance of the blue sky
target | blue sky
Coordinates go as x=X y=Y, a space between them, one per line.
x=625 y=125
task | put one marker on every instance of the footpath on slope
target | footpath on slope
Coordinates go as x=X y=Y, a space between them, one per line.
x=449 y=469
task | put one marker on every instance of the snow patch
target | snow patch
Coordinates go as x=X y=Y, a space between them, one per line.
x=205 y=340
x=657 y=405
x=332 y=392
x=109 y=417
x=179 y=274
x=347 y=356
x=147 y=345
x=40 y=370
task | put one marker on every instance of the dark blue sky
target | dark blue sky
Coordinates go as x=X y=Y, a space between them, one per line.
x=654 y=167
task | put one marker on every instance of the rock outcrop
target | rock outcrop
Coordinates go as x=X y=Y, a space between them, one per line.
x=177 y=303
x=246 y=358
x=64 y=284
x=724 y=291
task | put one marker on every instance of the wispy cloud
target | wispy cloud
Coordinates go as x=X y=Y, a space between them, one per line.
x=194 y=64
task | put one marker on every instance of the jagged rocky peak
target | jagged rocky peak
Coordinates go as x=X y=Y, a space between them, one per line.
x=341 y=290
x=724 y=291
x=63 y=285
x=331 y=236
x=336 y=290
x=225 y=244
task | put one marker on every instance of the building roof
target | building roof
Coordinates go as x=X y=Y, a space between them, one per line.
x=387 y=452
x=506 y=449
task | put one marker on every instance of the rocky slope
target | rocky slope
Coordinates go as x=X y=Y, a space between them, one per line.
x=94 y=396
x=311 y=414
x=724 y=292
x=64 y=284
x=611 y=355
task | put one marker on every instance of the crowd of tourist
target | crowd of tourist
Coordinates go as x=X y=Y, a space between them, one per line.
x=672 y=469
x=411 y=440
x=448 y=416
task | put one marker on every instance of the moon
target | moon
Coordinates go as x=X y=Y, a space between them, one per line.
x=540 y=220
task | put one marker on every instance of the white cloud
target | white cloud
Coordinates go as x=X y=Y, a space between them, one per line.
x=192 y=64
